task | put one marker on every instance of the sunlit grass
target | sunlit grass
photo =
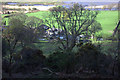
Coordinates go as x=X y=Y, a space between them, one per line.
x=107 y=19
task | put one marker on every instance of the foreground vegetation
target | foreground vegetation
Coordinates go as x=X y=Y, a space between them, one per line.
x=26 y=56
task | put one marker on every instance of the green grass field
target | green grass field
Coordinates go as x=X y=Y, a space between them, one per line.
x=107 y=19
x=40 y=14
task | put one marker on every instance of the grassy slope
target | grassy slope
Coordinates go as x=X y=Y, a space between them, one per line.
x=108 y=20
x=47 y=47
x=41 y=14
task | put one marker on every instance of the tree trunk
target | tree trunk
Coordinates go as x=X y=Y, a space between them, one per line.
x=119 y=52
x=10 y=65
x=72 y=44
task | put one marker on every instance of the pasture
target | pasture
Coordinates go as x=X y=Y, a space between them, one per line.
x=107 y=19
x=34 y=57
x=40 y=14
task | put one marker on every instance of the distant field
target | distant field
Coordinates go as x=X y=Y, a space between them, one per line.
x=40 y=14
x=107 y=19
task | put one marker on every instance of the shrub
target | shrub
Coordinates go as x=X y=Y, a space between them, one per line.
x=90 y=57
x=5 y=65
x=60 y=61
x=87 y=56
x=5 y=47
x=31 y=58
x=99 y=36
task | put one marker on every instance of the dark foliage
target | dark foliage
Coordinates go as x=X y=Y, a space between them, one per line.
x=30 y=59
x=29 y=54
x=89 y=58
x=5 y=65
x=61 y=62
x=5 y=47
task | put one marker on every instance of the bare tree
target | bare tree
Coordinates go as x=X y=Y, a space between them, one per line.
x=74 y=21
x=117 y=30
